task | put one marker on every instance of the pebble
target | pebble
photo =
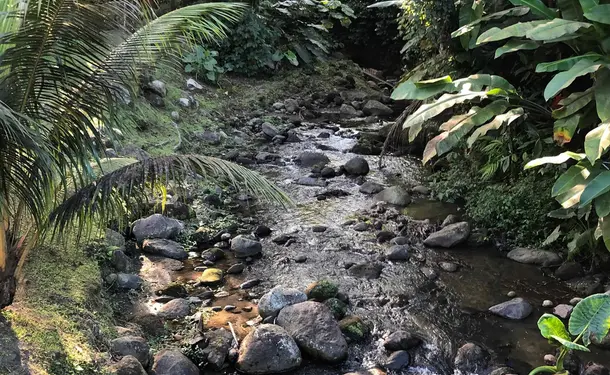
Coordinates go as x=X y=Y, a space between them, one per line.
x=511 y=294
x=563 y=311
x=547 y=303
x=361 y=227
x=217 y=308
x=250 y=284
x=225 y=237
x=222 y=294
x=550 y=360
x=429 y=273
x=236 y=268
x=247 y=308
x=230 y=307
x=448 y=266
x=319 y=228
x=574 y=301
x=300 y=259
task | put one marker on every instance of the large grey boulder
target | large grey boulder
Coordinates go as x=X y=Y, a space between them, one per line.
x=348 y=111
x=269 y=130
x=375 y=108
x=128 y=281
x=128 y=365
x=534 y=256
x=158 y=87
x=277 y=298
x=245 y=247
x=449 y=236
x=371 y=187
x=313 y=327
x=515 y=309
x=172 y=362
x=156 y=226
x=268 y=350
x=175 y=309
x=131 y=346
x=395 y=195
x=308 y=159
x=357 y=166
x=220 y=342
x=114 y=238
x=471 y=359
x=164 y=248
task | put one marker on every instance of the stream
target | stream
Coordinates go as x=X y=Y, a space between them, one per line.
x=446 y=312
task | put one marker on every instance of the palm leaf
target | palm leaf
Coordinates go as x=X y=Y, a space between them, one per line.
x=129 y=186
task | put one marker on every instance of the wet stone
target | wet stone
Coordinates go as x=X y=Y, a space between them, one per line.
x=131 y=346
x=511 y=294
x=321 y=290
x=448 y=266
x=165 y=248
x=268 y=350
x=361 y=227
x=471 y=359
x=515 y=309
x=244 y=247
x=371 y=187
x=300 y=259
x=277 y=298
x=250 y=284
x=311 y=181
x=533 y=256
x=211 y=276
x=398 y=360
x=229 y=307
x=563 y=311
x=172 y=362
x=175 y=309
x=399 y=241
x=547 y=303
x=236 y=269
x=401 y=340
x=366 y=270
x=430 y=273
x=449 y=236
x=319 y=228
x=262 y=231
x=128 y=365
x=398 y=253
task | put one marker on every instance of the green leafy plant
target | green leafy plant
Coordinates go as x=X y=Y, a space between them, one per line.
x=589 y=321
x=203 y=62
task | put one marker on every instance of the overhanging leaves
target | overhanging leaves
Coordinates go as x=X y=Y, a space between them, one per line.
x=596 y=187
x=591 y=318
x=565 y=79
x=555 y=29
x=517 y=30
x=602 y=94
x=558 y=159
x=513 y=12
x=537 y=7
x=565 y=64
x=599 y=13
x=597 y=142
x=499 y=121
x=514 y=46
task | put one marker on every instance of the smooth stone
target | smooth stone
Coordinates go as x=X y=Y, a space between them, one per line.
x=244 y=247
x=165 y=248
x=236 y=269
x=574 y=301
x=175 y=309
x=449 y=236
x=220 y=342
x=511 y=294
x=114 y=238
x=569 y=270
x=211 y=276
x=250 y=284
x=420 y=189
x=399 y=241
x=272 y=302
x=269 y=130
x=448 y=266
x=472 y=359
x=401 y=340
x=398 y=360
x=315 y=331
x=120 y=261
x=515 y=309
x=309 y=159
x=172 y=362
x=319 y=228
x=158 y=87
x=128 y=365
x=175 y=290
x=430 y=273
x=156 y=226
x=134 y=346
x=376 y=108
x=450 y=219
x=563 y=311
x=373 y=371
x=533 y=256
x=192 y=85
x=361 y=227
x=268 y=349
x=357 y=166
x=371 y=187
x=128 y=281
x=395 y=195
x=596 y=369
x=547 y=303
x=262 y=231
x=300 y=259
x=398 y=253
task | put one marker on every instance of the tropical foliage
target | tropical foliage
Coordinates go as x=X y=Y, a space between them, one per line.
x=61 y=75
x=577 y=35
x=589 y=321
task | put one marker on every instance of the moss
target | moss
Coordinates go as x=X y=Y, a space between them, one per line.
x=354 y=328
x=336 y=307
x=60 y=314
x=322 y=290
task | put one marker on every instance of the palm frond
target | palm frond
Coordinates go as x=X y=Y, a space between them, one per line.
x=126 y=188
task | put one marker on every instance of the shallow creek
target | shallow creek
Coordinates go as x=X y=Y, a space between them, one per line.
x=447 y=312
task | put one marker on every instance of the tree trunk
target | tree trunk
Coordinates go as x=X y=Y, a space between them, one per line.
x=8 y=281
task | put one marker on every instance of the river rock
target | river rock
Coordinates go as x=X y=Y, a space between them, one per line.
x=172 y=362
x=395 y=195
x=309 y=159
x=398 y=360
x=236 y=269
x=375 y=108
x=354 y=328
x=164 y=248
x=361 y=227
x=131 y=346
x=262 y=231
x=315 y=330
x=244 y=247
x=366 y=270
x=120 y=261
x=399 y=240
x=587 y=285
x=595 y=369
x=219 y=345
x=348 y=111
x=605 y=343
x=193 y=85
x=128 y=365
x=420 y=189
x=563 y=311
x=291 y=105
x=373 y=371
x=211 y=276
x=533 y=256
x=322 y=290
x=371 y=187
x=569 y=270
x=398 y=253
x=269 y=130
x=128 y=281
x=272 y=302
x=337 y=307
x=547 y=303
x=502 y=371
x=156 y=226
x=249 y=284
x=448 y=266
x=357 y=166
x=471 y=359
x=515 y=309
x=158 y=87
x=268 y=350
x=114 y=238
x=401 y=340
x=449 y=236
x=175 y=309
x=450 y=219
x=175 y=290
x=214 y=254
x=311 y=181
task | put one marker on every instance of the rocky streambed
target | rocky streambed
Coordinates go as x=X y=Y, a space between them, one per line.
x=347 y=281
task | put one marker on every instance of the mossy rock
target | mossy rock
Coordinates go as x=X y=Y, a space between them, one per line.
x=354 y=328
x=322 y=290
x=211 y=276
x=336 y=307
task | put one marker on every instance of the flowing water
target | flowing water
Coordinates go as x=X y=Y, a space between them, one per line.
x=447 y=312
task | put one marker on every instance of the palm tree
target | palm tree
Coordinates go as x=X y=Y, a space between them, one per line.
x=61 y=77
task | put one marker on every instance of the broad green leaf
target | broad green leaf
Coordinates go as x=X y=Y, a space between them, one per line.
x=565 y=79
x=591 y=318
x=554 y=236
x=604 y=224
x=517 y=30
x=500 y=120
x=562 y=213
x=480 y=117
x=570 y=9
x=408 y=90
x=597 y=142
x=457 y=119
x=430 y=150
x=434 y=81
x=565 y=64
x=602 y=94
x=587 y=5
x=428 y=111
x=557 y=159
x=596 y=187
x=513 y=12
x=564 y=129
x=556 y=28
x=570 y=345
x=602 y=205
x=575 y=175
x=537 y=7
x=477 y=82
x=571 y=197
x=550 y=325
x=573 y=103
x=605 y=44
x=599 y=13
x=516 y=45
